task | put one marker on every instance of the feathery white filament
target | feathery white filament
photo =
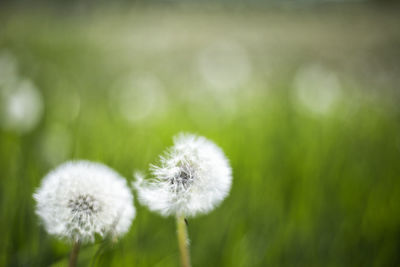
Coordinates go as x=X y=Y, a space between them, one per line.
x=81 y=199
x=194 y=176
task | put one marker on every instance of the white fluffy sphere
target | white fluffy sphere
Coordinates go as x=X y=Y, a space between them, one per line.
x=194 y=176
x=81 y=199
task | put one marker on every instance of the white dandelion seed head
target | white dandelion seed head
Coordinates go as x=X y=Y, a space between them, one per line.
x=194 y=176
x=80 y=199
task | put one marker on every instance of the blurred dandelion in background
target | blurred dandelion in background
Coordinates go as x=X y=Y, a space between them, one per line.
x=65 y=105
x=8 y=69
x=316 y=89
x=137 y=97
x=224 y=66
x=21 y=103
x=224 y=70
x=55 y=144
x=22 y=107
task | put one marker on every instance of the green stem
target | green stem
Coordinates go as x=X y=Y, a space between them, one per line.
x=183 y=240
x=73 y=258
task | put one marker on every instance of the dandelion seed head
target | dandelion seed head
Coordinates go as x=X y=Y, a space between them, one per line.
x=79 y=200
x=193 y=177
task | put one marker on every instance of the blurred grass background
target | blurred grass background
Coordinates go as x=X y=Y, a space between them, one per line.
x=304 y=100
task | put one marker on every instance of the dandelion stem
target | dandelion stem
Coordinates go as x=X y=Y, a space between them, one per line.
x=73 y=258
x=183 y=240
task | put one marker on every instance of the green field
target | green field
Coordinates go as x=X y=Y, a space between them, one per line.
x=304 y=102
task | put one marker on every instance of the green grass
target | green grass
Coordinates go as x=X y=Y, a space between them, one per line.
x=308 y=189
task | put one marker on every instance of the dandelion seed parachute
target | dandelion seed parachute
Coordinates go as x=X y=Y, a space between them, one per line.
x=194 y=176
x=81 y=199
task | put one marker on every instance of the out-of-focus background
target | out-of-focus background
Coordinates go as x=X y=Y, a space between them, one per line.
x=303 y=96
